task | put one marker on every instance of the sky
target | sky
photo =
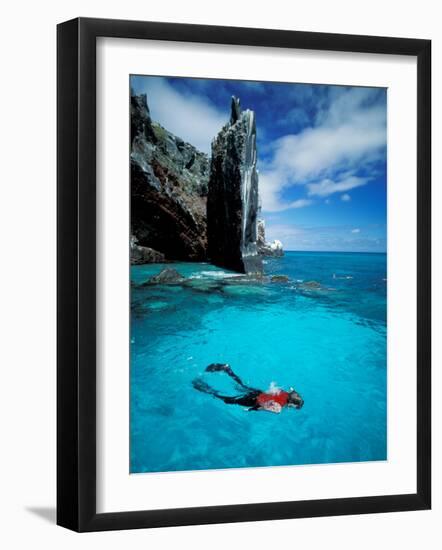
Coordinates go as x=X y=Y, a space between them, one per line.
x=321 y=153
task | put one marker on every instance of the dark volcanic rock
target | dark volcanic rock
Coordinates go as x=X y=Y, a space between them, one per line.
x=233 y=202
x=265 y=248
x=169 y=180
x=140 y=121
x=166 y=276
x=144 y=254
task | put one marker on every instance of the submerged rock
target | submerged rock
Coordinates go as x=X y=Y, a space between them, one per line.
x=251 y=278
x=265 y=248
x=244 y=290
x=203 y=285
x=154 y=306
x=311 y=285
x=169 y=179
x=279 y=279
x=167 y=275
x=233 y=201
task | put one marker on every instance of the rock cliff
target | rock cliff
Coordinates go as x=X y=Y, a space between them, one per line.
x=233 y=201
x=169 y=180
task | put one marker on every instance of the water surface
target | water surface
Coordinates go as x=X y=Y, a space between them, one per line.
x=329 y=344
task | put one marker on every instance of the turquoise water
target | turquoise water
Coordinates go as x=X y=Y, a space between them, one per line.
x=329 y=344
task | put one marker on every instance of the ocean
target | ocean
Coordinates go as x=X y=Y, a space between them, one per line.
x=327 y=342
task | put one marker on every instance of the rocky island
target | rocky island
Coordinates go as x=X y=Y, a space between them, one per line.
x=187 y=207
x=266 y=248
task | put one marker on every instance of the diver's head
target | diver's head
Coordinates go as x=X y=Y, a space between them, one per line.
x=294 y=399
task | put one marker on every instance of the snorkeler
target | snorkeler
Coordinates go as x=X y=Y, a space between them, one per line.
x=273 y=401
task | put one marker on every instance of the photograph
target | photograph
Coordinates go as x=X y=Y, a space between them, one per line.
x=258 y=274
x=219 y=265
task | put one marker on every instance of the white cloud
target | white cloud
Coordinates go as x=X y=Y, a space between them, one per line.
x=345 y=197
x=288 y=234
x=295 y=237
x=189 y=116
x=300 y=203
x=324 y=159
x=316 y=150
x=328 y=187
x=268 y=189
x=348 y=136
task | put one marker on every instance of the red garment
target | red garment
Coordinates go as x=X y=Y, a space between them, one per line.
x=281 y=398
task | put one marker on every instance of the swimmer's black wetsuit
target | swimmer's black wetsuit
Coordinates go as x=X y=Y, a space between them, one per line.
x=247 y=399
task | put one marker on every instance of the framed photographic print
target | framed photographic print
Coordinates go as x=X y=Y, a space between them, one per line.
x=243 y=274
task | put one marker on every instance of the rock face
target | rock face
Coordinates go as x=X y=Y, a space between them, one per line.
x=265 y=248
x=144 y=254
x=169 y=180
x=233 y=201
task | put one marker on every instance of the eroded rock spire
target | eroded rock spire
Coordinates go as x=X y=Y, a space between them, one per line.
x=233 y=200
x=235 y=110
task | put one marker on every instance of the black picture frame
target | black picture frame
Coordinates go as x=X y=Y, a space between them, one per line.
x=76 y=274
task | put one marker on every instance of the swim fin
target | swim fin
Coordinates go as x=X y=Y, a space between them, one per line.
x=217 y=367
x=202 y=386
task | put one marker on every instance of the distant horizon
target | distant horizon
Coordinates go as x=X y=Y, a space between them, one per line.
x=340 y=251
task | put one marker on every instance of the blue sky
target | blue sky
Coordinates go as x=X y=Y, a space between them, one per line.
x=321 y=153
